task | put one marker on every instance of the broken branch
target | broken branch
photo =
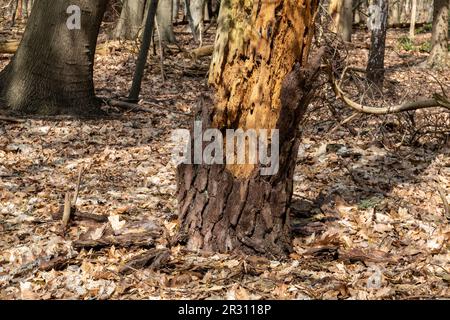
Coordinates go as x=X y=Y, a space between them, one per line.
x=436 y=101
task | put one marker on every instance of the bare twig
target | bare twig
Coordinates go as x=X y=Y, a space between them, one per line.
x=67 y=210
x=77 y=189
x=444 y=201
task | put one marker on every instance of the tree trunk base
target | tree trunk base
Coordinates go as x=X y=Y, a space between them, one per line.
x=223 y=213
x=45 y=98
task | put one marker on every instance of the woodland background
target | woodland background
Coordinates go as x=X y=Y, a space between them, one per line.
x=368 y=212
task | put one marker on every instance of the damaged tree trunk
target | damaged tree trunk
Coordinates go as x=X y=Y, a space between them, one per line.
x=260 y=80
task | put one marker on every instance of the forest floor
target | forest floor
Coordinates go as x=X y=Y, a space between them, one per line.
x=368 y=219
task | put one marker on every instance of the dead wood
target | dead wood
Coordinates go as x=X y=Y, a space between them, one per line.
x=9 y=119
x=143 y=239
x=436 y=101
x=153 y=259
x=201 y=52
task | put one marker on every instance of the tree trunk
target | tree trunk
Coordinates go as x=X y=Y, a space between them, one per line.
x=396 y=12
x=346 y=23
x=335 y=11
x=175 y=10
x=130 y=20
x=258 y=85
x=375 y=65
x=439 y=41
x=412 y=26
x=164 y=18
x=52 y=70
x=195 y=15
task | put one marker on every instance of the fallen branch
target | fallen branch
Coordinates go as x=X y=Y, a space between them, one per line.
x=201 y=52
x=9 y=47
x=58 y=263
x=436 y=101
x=128 y=106
x=9 y=119
x=153 y=259
x=143 y=239
x=81 y=216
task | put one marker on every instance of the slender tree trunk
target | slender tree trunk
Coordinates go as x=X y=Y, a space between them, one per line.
x=176 y=10
x=51 y=72
x=396 y=12
x=412 y=25
x=257 y=84
x=375 y=65
x=195 y=15
x=335 y=11
x=130 y=21
x=439 y=52
x=346 y=23
x=143 y=52
x=164 y=17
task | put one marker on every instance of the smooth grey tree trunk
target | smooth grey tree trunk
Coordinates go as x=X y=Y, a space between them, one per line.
x=130 y=21
x=195 y=14
x=164 y=16
x=52 y=70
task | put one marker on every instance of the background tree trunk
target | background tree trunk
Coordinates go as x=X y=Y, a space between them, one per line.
x=51 y=72
x=439 y=41
x=335 y=11
x=164 y=17
x=195 y=10
x=412 y=25
x=346 y=23
x=232 y=207
x=375 y=65
x=396 y=12
x=130 y=21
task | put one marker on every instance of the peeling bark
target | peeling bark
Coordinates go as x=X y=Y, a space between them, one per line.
x=260 y=82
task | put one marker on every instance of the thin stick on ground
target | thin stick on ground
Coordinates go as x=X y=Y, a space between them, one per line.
x=77 y=189
x=67 y=210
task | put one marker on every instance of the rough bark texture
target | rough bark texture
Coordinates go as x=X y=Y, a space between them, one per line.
x=259 y=82
x=439 y=52
x=51 y=72
x=375 y=65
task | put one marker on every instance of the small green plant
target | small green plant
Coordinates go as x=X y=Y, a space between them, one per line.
x=406 y=43
x=369 y=203
x=425 y=46
x=427 y=27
